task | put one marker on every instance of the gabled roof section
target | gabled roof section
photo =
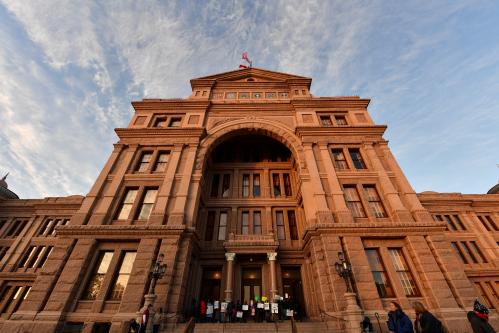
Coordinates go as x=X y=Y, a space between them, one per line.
x=256 y=74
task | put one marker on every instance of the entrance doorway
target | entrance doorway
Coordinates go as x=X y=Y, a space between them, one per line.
x=251 y=283
x=211 y=283
x=293 y=290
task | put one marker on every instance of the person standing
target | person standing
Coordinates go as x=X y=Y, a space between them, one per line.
x=144 y=317
x=479 y=318
x=202 y=310
x=398 y=321
x=425 y=321
x=156 y=320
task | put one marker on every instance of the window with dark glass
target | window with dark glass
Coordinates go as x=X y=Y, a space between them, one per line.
x=97 y=278
x=326 y=121
x=245 y=223
x=404 y=273
x=244 y=95
x=459 y=252
x=145 y=159
x=210 y=226
x=488 y=222
x=246 y=184
x=340 y=162
x=35 y=257
x=353 y=201
x=214 y=185
x=121 y=280
x=160 y=122
x=257 y=223
x=276 y=184
x=16 y=227
x=279 y=221
x=374 y=201
x=230 y=95
x=293 y=230
x=162 y=161
x=226 y=186
x=477 y=251
x=15 y=296
x=126 y=205
x=147 y=204
x=356 y=158
x=378 y=270
x=3 y=251
x=340 y=120
x=257 y=95
x=256 y=185
x=270 y=95
x=467 y=250
x=287 y=184
x=175 y=122
x=222 y=226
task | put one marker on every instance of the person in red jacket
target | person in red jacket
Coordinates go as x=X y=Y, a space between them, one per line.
x=202 y=310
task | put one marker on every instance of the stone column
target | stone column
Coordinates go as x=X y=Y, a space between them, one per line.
x=341 y=210
x=230 y=275
x=399 y=212
x=273 y=274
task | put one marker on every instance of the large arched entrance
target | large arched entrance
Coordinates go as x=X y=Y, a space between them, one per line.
x=250 y=215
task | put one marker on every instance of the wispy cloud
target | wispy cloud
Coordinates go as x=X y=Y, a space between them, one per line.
x=69 y=72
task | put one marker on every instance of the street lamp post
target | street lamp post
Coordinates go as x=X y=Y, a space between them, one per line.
x=157 y=271
x=344 y=269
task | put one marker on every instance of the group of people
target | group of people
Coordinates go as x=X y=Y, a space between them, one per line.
x=258 y=310
x=147 y=314
x=426 y=322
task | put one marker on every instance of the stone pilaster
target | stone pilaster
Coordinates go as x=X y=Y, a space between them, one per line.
x=230 y=275
x=273 y=274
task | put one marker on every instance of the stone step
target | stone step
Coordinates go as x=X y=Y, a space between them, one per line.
x=282 y=327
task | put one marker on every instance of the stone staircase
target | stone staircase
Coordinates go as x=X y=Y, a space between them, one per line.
x=280 y=327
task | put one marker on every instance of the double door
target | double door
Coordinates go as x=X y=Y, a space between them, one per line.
x=251 y=284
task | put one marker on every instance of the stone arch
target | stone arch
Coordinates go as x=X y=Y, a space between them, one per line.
x=231 y=128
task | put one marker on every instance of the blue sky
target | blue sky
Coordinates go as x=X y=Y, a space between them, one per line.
x=69 y=71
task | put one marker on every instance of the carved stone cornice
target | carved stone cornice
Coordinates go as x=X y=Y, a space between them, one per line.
x=147 y=132
x=376 y=131
x=118 y=231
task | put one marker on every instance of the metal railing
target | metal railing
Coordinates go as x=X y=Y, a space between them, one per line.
x=340 y=321
x=294 y=327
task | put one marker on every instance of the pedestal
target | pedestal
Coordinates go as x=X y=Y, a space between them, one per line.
x=352 y=314
x=150 y=299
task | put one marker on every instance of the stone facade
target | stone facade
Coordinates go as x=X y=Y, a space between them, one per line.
x=250 y=187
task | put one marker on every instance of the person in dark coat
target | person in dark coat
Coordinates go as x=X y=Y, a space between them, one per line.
x=398 y=321
x=425 y=321
x=479 y=319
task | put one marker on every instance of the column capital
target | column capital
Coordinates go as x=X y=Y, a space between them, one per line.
x=272 y=256
x=230 y=256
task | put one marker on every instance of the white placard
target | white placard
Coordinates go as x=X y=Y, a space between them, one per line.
x=289 y=313
x=275 y=308
x=267 y=306
x=239 y=314
x=216 y=305
x=209 y=309
x=224 y=306
x=245 y=307
x=259 y=305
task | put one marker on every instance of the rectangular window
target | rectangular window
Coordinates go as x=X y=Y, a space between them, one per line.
x=95 y=282
x=287 y=184
x=44 y=257
x=245 y=223
x=326 y=121
x=404 y=274
x=175 y=122
x=293 y=230
x=270 y=95
x=16 y=228
x=340 y=162
x=230 y=95
x=246 y=184
x=257 y=223
x=147 y=204
x=353 y=201
x=160 y=122
x=126 y=206
x=340 y=120
x=46 y=227
x=226 y=186
x=449 y=222
x=383 y=285
x=484 y=222
x=477 y=251
x=488 y=222
x=27 y=257
x=145 y=159
x=257 y=95
x=121 y=280
x=214 y=185
x=458 y=221
x=244 y=95
x=279 y=221
x=356 y=158
x=276 y=184
x=256 y=185
x=374 y=201
x=3 y=251
x=468 y=252
x=458 y=251
x=210 y=226
x=162 y=161
x=222 y=226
